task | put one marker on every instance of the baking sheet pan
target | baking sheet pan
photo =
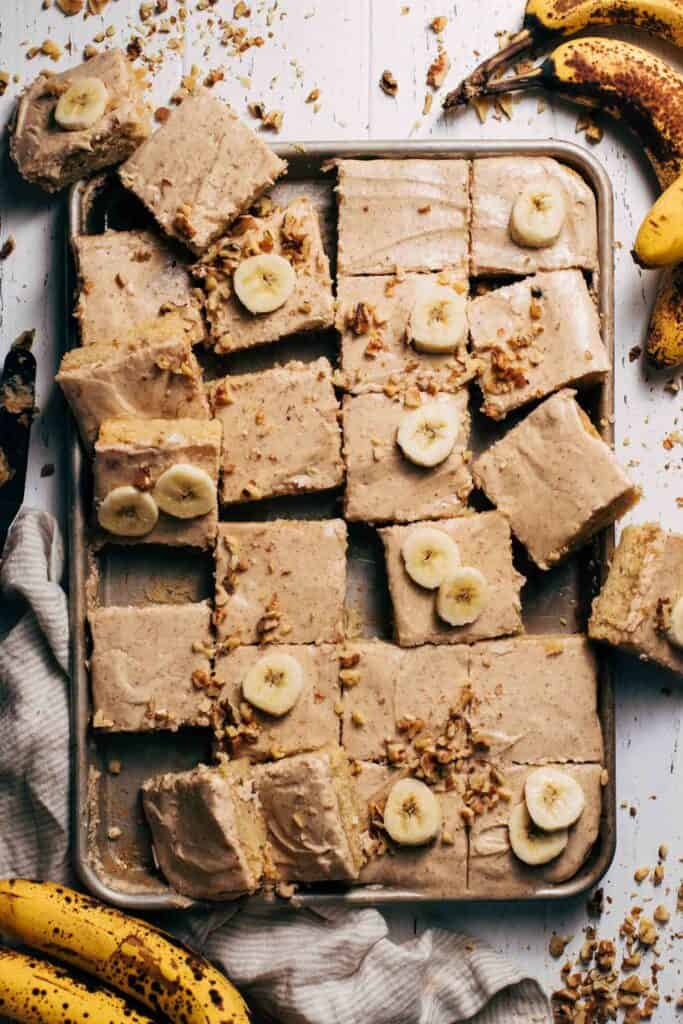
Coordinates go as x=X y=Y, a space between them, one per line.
x=121 y=871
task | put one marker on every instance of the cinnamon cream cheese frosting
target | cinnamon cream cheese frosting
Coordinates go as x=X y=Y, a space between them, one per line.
x=51 y=157
x=207 y=832
x=555 y=480
x=373 y=320
x=382 y=484
x=496 y=184
x=150 y=667
x=484 y=543
x=292 y=233
x=200 y=170
x=407 y=214
x=135 y=452
x=535 y=337
x=280 y=431
x=312 y=817
x=494 y=870
x=127 y=278
x=644 y=582
x=267 y=584
x=152 y=374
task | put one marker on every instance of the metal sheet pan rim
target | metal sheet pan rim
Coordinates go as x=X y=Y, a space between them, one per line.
x=318 y=153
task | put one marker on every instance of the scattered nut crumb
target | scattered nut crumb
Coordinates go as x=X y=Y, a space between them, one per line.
x=388 y=83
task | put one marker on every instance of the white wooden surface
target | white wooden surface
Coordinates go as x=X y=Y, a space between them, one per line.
x=342 y=47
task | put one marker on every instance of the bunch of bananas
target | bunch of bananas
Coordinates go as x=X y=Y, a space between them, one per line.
x=630 y=84
x=150 y=968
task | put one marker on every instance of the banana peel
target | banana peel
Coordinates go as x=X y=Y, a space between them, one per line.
x=664 y=345
x=130 y=955
x=35 y=991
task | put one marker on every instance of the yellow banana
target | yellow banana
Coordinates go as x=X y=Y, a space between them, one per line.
x=35 y=991
x=664 y=344
x=142 y=961
x=545 y=19
x=659 y=242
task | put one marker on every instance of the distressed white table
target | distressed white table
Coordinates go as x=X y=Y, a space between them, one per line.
x=342 y=48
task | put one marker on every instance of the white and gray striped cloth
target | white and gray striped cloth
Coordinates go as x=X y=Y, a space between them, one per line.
x=336 y=967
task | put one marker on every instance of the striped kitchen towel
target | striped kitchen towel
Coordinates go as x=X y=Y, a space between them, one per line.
x=335 y=966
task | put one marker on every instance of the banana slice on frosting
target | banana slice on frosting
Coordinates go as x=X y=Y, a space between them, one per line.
x=675 y=628
x=462 y=596
x=529 y=843
x=538 y=215
x=438 y=321
x=83 y=103
x=412 y=814
x=128 y=512
x=274 y=683
x=554 y=798
x=263 y=283
x=185 y=491
x=427 y=435
x=429 y=556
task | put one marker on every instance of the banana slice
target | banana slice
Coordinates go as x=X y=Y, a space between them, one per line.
x=429 y=556
x=554 y=799
x=426 y=435
x=128 y=512
x=274 y=683
x=462 y=596
x=412 y=814
x=185 y=491
x=263 y=283
x=83 y=103
x=537 y=216
x=438 y=321
x=529 y=843
x=675 y=628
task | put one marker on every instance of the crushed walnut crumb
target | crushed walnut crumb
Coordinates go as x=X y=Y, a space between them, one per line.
x=388 y=83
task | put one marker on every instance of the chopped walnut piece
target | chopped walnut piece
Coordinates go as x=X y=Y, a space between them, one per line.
x=647 y=933
x=641 y=874
x=272 y=121
x=661 y=914
x=114 y=833
x=8 y=248
x=97 y=6
x=438 y=69
x=427 y=105
x=438 y=24
x=558 y=944
x=70 y=7
x=313 y=95
x=388 y=83
x=658 y=874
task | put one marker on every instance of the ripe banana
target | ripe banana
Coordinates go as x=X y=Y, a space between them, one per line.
x=624 y=81
x=664 y=343
x=438 y=322
x=83 y=103
x=659 y=242
x=530 y=844
x=462 y=596
x=142 y=961
x=274 y=684
x=412 y=814
x=185 y=491
x=429 y=556
x=553 y=798
x=675 y=628
x=128 y=512
x=427 y=435
x=263 y=283
x=545 y=19
x=34 y=991
x=538 y=215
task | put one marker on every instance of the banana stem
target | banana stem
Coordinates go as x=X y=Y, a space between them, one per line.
x=476 y=83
